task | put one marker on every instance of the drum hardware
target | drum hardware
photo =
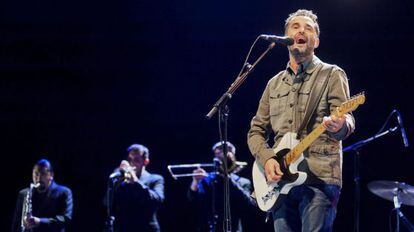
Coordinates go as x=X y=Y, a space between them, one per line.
x=397 y=192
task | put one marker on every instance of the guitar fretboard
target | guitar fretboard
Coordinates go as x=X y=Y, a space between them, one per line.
x=294 y=154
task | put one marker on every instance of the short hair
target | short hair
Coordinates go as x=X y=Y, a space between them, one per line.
x=44 y=164
x=305 y=13
x=139 y=148
x=230 y=147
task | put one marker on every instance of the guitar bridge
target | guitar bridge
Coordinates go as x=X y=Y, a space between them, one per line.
x=271 y=193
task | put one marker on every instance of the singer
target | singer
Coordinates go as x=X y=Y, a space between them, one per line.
x=284 y=108
x=207 y=194
x=50 y=206
x=138 y=193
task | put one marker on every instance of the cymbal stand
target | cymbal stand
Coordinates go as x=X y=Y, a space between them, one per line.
x=357 y=191
x=399 y=214
x=356 y=148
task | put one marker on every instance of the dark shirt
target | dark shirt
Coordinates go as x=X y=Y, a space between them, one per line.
x=53 y=207
x=136 y=204
x=208 y=201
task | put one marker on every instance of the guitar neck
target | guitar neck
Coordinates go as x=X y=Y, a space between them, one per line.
x=295 y=153
x=345 y=107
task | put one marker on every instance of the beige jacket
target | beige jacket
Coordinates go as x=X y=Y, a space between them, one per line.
x=282 y=108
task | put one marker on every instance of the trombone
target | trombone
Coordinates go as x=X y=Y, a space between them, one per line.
x=239 y=166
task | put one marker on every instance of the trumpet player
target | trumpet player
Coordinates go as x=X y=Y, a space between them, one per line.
x=206 y=192
x=137 y=193
x=44 y=207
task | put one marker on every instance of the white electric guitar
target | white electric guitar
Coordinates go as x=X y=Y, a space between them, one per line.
x=289 y=152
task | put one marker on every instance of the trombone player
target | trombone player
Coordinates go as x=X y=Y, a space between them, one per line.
x=206 y=192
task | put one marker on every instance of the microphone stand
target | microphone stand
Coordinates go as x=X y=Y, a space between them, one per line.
x=112 y=184
x=213 y=220
x=223 y=109
x=357 y=192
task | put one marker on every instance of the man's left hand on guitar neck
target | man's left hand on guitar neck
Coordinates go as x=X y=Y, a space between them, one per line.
x=333 y=124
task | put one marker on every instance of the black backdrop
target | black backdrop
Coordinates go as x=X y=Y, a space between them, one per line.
x=80 y=81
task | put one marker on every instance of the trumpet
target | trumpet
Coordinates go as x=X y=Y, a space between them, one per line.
x=237 y=167
x=122 y=173
x=27 y=206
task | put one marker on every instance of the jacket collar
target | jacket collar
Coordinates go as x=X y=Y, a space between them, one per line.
x=144 y=175
x=308 y=67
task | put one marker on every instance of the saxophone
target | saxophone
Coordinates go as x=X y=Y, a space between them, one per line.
x=27 y=206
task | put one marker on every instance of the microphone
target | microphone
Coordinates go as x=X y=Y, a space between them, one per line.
x=122 y=171
x=400 y=123
x=283 y=40
x=117 y=174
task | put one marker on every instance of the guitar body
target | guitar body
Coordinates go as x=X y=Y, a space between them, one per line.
x=269 y=195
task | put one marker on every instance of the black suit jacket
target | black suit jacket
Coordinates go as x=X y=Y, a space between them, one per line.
x=135 y=205
x=53 y=207
x=208 y=202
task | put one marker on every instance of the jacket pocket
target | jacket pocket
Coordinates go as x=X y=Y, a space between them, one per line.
x=324 y=160
x=278 y=101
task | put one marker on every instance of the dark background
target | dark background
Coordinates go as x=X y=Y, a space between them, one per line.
x=82 y=80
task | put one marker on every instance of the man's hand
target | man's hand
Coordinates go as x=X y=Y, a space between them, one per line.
x=333 y=124
x=199 y=175
x=130 y=175
x=31 y=222
x=272 y=171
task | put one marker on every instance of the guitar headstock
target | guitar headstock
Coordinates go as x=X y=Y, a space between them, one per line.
x=350 y=105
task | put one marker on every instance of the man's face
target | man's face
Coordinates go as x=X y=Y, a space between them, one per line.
x=218 y=153
x=302 y=30
x=42 y=176
x=136 y=159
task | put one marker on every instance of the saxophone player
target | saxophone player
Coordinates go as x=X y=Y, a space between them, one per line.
x=44 y=207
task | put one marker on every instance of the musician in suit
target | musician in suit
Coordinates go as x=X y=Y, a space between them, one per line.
x=282 y=108
x=138 y=193
x=51 y=203
x=206 y=192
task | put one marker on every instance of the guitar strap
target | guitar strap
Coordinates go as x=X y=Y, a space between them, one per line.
x=318 y=87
